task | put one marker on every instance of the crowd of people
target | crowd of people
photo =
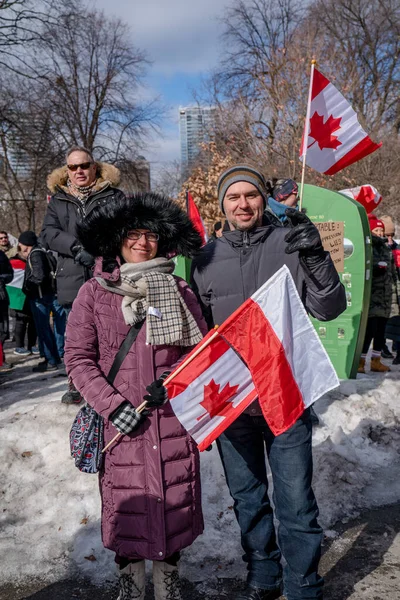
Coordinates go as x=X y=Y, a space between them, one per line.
x=102 y=265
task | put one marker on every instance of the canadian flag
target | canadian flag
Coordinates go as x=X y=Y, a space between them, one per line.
x=268 y=348
x=333 y=138
x=366 y=195
x=14 y=289
x=195 y=217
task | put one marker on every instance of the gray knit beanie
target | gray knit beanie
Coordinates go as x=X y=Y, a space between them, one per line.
x=240 y=173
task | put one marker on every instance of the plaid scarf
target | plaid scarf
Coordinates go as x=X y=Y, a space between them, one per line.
x=150 y=292
x=80 y=192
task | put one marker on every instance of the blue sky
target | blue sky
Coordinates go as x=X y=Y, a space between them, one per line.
x=182 y=39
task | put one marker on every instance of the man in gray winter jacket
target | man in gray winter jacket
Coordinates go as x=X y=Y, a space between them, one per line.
x=224 y=275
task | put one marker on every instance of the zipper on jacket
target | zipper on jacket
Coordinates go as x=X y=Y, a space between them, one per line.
x=246 y=239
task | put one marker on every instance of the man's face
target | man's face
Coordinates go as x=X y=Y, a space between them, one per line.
x=243 y=206
x=390 y=238
x=25 y=251
x=85 y=174
x=4 y=241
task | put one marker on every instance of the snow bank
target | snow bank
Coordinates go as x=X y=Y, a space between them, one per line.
x=50 y=511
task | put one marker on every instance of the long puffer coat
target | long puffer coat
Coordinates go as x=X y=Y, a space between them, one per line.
x=150 y=485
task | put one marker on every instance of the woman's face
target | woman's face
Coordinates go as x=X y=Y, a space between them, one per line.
x=379 y=232
x=291 y=200
x=139 y=250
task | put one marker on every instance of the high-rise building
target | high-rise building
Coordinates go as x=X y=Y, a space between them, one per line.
x=195 y=126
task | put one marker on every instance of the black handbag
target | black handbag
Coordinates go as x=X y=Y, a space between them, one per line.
x=86 y=438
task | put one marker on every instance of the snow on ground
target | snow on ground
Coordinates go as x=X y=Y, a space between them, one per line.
x=49 y=511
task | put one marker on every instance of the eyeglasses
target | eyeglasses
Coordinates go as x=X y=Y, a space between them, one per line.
x=149 y=235
x=84 y=166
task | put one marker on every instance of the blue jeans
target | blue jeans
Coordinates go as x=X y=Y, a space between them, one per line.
x=51 y=343
x=242 y=448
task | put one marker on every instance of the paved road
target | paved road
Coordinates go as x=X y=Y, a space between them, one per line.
x=362 y=563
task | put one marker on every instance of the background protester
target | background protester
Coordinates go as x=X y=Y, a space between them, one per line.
x=394 y=247
x=77 y=188
x=283 y=194
x=21 y=311
x=150 y=486
x=6 y=276
x=6 y=246
x=385 y=284
x=39 y=288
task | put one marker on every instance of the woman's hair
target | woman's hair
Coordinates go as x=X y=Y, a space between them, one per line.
x=102 y=232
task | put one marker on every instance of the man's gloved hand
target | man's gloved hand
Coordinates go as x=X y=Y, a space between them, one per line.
x=304 y=236
x=158 y=394
x=82 y=257
x=125 y=419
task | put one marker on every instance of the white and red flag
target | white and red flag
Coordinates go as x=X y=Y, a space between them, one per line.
x=333 y=138
x=268 y=348
x=366 y=195
x=195 y=217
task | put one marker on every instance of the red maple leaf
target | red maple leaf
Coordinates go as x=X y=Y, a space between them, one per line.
x=214 y=400
x=323 y=132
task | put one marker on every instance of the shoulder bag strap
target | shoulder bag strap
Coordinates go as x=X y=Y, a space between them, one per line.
x=123 y=351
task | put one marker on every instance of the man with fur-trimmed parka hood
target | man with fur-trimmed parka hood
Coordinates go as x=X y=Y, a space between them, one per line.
x=77 y=188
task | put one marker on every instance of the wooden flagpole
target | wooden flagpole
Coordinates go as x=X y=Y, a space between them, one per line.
x=169 y=378
x=305 y=135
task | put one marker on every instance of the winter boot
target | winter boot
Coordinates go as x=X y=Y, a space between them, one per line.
x=166 y=581
x=377 y=366
x=72 y=396
x=132 y=581
x=386 y=352
x=396 y=360
x=361 y=366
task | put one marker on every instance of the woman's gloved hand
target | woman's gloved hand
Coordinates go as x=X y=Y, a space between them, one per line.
x=304 y=237
x=158 y=394
x=126 y=419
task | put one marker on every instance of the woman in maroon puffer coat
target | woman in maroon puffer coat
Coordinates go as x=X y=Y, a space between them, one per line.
x=150 y=483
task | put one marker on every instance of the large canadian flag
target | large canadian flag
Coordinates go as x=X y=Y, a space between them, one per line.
x=267 y=349
x=333 y=138
x=366 y=195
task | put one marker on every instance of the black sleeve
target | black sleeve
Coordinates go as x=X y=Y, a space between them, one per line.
x=196 y=283
x=53 y=235
x=325 y=294
x=39 y=267
x=6 y=270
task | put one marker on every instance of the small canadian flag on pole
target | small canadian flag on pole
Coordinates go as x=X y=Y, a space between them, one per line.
x=195 y=217
x=267 y=349
x=366 y=195
x=333 y=138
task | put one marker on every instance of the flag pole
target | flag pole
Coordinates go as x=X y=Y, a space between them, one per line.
x=305 y=134
x=168 y=379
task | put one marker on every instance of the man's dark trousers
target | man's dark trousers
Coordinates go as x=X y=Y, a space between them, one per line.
x=242 y=450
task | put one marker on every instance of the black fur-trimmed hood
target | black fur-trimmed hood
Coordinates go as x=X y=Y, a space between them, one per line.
x=103 y=230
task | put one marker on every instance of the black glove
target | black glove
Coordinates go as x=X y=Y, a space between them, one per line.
x=82 y=257
x=158 y=394
x=304 y=236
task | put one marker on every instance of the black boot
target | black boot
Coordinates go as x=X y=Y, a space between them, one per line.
x=72 y=396
x=396 y=360
x=386 y=352
x=254 y=593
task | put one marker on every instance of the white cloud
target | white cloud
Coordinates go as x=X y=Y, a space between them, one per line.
x=179 y=35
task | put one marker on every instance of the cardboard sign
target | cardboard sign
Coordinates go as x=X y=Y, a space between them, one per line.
x=332 y=236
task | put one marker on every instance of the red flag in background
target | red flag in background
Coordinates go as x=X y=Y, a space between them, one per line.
x=195 y=217
x=366 y=195
x=333 y=138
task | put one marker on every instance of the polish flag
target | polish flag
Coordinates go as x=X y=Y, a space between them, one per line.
x=333 y=138
x=267 y=349
x=366 y=195
x=195 y=217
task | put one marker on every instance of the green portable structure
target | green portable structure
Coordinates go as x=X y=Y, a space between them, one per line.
x=343 y=337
